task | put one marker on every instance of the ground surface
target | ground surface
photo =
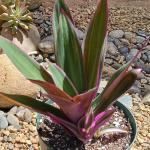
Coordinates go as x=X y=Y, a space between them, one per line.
x=129 y=3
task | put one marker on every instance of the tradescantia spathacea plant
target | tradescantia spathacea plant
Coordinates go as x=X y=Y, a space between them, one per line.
x=72 y=83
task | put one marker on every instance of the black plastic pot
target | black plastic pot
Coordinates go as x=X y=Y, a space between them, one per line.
x=127 y=113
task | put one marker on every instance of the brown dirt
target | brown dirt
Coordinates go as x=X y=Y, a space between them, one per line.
x=78 y=3
x=131 y=3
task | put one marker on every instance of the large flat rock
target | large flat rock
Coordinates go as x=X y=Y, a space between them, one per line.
x=13 y=82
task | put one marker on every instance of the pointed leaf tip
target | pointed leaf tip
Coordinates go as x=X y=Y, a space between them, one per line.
x=59 y=5
x=94 y=50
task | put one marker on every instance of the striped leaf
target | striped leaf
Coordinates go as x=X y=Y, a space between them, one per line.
x=28 y=67
x=102 y=118
x=75 y=107
x=118 y=87
x=118 y=74
x=59 y=6
x=93 y=47
x=33 y=104
x=69 y=53
x=51 y=89
x=61 y=80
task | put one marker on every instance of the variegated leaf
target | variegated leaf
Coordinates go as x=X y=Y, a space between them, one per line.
x=94 y=50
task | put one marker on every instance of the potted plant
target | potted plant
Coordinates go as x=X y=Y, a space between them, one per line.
x=16 y=25
x=72 y=83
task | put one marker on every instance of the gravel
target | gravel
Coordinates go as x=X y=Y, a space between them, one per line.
x=24 y=138
x=14 y=116
x=43 y=21
x=127 y=49
x=142 y=114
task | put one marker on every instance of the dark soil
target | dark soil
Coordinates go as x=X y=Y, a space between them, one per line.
x=59 y=139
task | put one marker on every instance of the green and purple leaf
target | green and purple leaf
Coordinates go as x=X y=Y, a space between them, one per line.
x=33 y=104
x=69 y=53
x=51 y=89
x=28 y=67
x=59 y=7
x=54 y=113
x=117 y=76
x=118 y=87
x=102 y=118
x=86 y=121
x=76 y=107
x=94 y=123
x=89 y=124
x=84 y=100
x=61 y=80
x=93 y=47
